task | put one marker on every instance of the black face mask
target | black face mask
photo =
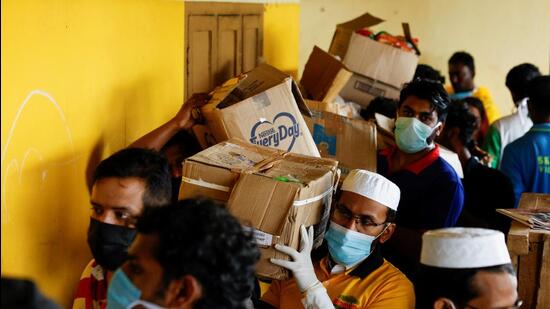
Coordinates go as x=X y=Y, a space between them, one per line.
x=109 y=243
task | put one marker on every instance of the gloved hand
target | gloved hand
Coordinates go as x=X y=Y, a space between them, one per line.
x=301 y=264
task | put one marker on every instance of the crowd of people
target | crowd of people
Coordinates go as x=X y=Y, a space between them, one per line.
x=413 y=234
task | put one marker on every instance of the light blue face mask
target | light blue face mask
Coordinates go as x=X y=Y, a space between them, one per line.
x=123 y=294
x=347 y=247
x=460 y=95
x=411 y=135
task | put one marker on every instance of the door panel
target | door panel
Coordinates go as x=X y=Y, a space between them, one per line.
x=229 y=47
x=202 y=54
x=252 y=42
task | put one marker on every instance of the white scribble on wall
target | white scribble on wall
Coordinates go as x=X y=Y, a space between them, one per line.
x=17 y=166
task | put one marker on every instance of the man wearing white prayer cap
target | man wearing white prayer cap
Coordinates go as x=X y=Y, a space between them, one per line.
x=465 y=268
x=353 y=273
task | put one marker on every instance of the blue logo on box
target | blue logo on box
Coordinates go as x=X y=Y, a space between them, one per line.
x=283 y=129
x=326 y=143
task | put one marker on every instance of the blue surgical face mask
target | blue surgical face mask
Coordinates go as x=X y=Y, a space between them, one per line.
x=123 y=294
x=411 y=135
x=460 y=95
x=347 y=247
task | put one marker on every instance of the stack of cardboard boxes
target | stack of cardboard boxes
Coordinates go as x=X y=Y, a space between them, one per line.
x=271 y=157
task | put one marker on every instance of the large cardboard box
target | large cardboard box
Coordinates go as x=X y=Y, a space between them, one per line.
x=350 y=141
x=362 y=89
x=269 y=190
x=379 y=69
x=530 y=253
x=324 y=76
x=263 y=107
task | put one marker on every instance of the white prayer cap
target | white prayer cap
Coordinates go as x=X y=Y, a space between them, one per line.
x=460 y=247
x=373 y=186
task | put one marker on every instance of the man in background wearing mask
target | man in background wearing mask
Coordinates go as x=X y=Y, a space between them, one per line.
x=353 y=274
x=465 y=268
x=432 y=195
x=192 y=254
x=122 y=185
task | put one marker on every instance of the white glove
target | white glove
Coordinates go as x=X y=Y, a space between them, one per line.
x=316 y=296
x=301 y=264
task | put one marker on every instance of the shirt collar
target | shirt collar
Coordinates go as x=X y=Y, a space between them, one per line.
x=417 y=166
x=364 y=268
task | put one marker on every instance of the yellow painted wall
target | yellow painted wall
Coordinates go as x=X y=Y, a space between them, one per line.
x=80 y=80
x=498 y=33
x=75 y=75
x=281 y=36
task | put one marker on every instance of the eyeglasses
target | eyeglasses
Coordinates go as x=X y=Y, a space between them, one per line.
x=364 y=223
x=517 y=304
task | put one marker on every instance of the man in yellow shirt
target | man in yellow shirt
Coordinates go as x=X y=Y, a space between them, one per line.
x=353 y=274
x=461 y=73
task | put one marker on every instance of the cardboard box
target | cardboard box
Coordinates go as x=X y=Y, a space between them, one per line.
x=332 y=107
x=380 y=69
x=335 y=136
x=530 y=253
x=362 y=89
x=342 y=35
x=262 y=107
x=324 y=76
x=269 y=190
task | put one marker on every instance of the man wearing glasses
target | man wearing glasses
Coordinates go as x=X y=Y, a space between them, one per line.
x=353 y=274
x=465 y=268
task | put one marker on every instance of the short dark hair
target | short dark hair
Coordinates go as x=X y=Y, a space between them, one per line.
x=518 y=78
x=148 y=165
x=459 y=116
x=424 y=71
x=428 y=90
x=198 y=237
x=185 y=141
x=464 y=58
x=391 y=215
x=477 y=103
x=457 y=285
x=380 y=105
x=538 y=92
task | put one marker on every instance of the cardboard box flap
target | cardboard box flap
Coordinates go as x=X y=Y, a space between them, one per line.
x=245 y=85
x=302 y=106
x=364 y=21
x=300 y=169
x=235 y=155
x=342 y=35
x=324 y=76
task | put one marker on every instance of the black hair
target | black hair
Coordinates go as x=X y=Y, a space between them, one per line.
x=459 y=116
x=538 y=92
x=424 y=71
x=148 y=165
x=391 y=215
x=475 y=102
x=428 y=90
x=198 y=237
x=464 y=58
x=518 y=78
x=457 y=285
x=185 y=141
x=381 y=105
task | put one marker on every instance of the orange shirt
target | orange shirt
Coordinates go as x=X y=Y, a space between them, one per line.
x=374 y=283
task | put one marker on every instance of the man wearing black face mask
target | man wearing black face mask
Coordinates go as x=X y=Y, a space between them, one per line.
x=123 y=185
